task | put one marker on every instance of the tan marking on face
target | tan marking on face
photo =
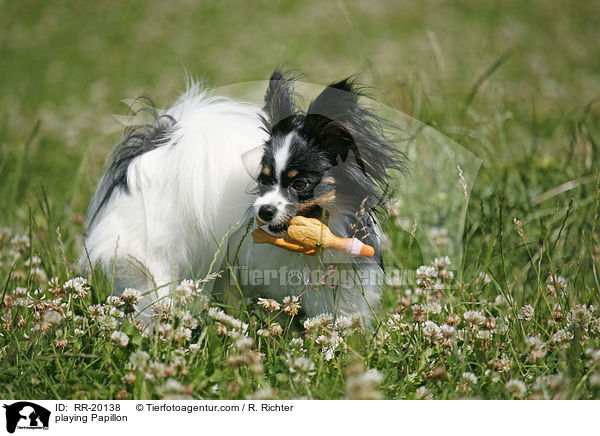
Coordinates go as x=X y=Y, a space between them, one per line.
x=324 y=201
x=266 y=171
x=292 y=173
x=329 y=180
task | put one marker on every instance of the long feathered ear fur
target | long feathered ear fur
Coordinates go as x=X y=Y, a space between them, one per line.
x=342 y=126
x=279 y=99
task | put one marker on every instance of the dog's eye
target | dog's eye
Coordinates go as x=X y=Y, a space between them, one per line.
x=299 y=185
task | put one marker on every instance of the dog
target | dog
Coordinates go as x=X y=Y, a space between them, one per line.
x=175 y=190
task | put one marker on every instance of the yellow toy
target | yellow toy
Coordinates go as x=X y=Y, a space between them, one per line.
x=308 y=235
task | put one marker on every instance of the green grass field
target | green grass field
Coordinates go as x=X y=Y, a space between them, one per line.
x=517 y=84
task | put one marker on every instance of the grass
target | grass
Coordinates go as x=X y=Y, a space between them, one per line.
x=514 y=83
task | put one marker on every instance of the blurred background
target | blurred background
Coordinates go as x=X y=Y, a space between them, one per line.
x=513 y=82
x=510 y=90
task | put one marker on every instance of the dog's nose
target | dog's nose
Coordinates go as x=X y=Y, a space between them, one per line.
x=266 y=212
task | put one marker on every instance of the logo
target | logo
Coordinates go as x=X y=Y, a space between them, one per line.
x=26 y=415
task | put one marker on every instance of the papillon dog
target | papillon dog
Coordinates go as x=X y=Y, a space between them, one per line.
x=176 y=195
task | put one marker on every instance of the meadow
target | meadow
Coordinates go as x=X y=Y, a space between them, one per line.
x=509 y=312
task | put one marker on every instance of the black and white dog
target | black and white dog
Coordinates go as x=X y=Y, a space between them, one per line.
x=174 y=189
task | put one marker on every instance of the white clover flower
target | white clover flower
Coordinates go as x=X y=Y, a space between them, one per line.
x=322 y=340
x=502 y=326
x=115 y=313
x=131 y=296
x=20 y=243
x=170 y=389
x=262 y=394
x=502 y=302
x=165 y=330
x=394 y=322
x=216 y=314
x=119 y=338
x=243 y=342
x=96 y=310
x=113 y=301
x=138 y=359
x=382 y=338
x=442 y=262
x=446 y=274
x=154 y=371
x=502 y=363
x=275 y=329
x=54 y=284
x=362 y=386
x=161 y=309
x=182 y=334
x=594 y=356
x=322 y=320
x=302 y=368
x=580 y=315
x=556 y=285
x=184 y=291
x=431 y=330
x=348 y=324
x=329 y=345
x=426 y=276
x=422 y=393
x=52 y=317
x=263 y=333
x=291 y=305
x=188 y=321
x=108 y=322
x=77 y=286
x=33 y=261
x=516 y=388
x=20 y=293
x=269 y=304
x=39 y=274
x=526 y=313
x=562 y=336
x=78 y=332
x=469 y=377
x=448 y=331
x=433 y=307
x=296 y=343
x=534 y=341
x=474 y=317
x=439 y=235
x=220 y=316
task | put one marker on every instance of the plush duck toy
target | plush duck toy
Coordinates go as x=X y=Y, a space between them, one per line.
x=308 y=235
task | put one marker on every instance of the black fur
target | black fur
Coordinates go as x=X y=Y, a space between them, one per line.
x=136 y=141
x=279 y=99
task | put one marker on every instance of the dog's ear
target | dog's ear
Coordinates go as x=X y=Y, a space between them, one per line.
x=338 y=102
x=334 y=120
x=279 y=99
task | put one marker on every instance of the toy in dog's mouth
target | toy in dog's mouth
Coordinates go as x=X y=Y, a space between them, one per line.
x=309 y=236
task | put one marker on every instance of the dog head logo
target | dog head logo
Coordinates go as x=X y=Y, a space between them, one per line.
x=26 y=415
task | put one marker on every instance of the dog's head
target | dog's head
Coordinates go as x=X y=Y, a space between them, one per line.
x=332 y=158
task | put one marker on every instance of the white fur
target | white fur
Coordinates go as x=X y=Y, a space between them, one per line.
x=276 y=199
x=283 y=154
x=184 y=197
